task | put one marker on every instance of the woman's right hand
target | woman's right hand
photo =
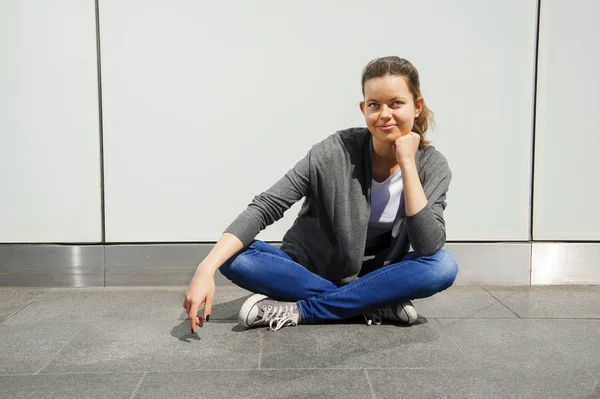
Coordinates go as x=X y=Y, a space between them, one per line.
x=201 y=290
x=202 y=286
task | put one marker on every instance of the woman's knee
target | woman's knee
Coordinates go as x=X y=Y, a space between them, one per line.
x=238 y=263
x=445 y=268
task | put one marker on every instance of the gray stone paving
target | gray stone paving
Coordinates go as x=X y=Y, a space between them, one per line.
x=470 y=342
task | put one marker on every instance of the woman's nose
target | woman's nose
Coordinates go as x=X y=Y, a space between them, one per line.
x=385 y=111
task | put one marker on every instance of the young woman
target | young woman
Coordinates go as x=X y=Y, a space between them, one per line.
x=370 y=194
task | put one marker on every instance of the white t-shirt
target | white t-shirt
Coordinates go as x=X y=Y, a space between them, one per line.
x=385 y=205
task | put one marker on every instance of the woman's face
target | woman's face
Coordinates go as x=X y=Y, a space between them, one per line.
x=389 y=108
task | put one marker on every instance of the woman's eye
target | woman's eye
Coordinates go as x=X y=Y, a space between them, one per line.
x=373 y=105
x=397 y=103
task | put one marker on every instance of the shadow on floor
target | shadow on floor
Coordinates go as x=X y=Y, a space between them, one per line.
x=226 y=312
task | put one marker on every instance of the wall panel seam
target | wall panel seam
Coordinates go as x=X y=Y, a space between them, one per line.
x=100 y=122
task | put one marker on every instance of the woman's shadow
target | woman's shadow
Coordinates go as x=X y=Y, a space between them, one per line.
x=227 y=312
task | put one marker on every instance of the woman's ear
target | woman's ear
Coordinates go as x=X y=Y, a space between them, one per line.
x=419 y=105
x=362 y=107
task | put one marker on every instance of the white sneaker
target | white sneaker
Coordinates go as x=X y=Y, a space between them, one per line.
x=404 y=313
x=260 y=310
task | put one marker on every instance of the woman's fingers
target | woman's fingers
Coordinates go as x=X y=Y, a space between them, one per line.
x=208 y=306
x=192 y=315
x=201 y=291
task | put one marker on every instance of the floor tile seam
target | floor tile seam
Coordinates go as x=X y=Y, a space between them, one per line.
x=520 y=318
x=187 y=370
x=502 y=303
x=116 y=288
x=60 y=350
x=260 y=350
x=369 y=368
x=520 y=367
x=470 y=316
x=370 y=385
x=450 y=338
x=464 y=353
x=510 y=290
x=17 y=311
x=475 y=318
x=137 y=387
x=74 y=373
x=561 y=318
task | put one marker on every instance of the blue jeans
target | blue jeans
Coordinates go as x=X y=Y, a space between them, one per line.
x=264 y=269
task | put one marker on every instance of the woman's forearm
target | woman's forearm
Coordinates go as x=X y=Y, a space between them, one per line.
x=414 y=196
x=227 y=246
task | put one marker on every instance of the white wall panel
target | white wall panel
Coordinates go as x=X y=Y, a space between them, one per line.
x=206 y=104
x=49 y=142
x=567 y=135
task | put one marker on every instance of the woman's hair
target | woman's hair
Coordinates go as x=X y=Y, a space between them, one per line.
x=393 y=65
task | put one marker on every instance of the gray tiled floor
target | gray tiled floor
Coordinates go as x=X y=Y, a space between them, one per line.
x=14 y=299
x=470 y=342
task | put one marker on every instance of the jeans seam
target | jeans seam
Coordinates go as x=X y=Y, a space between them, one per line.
x=296 y=264
x=256 y=244
x=364 y=281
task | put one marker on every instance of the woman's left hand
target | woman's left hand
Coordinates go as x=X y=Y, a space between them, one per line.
x=406 y=147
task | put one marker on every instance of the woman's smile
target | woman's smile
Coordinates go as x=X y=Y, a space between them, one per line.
x=386 y=128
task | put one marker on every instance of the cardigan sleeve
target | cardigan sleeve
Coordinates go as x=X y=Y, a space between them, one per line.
x=427 y=229
x=269 y=206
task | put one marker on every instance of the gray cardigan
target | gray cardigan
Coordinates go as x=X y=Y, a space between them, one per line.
x=328 y=237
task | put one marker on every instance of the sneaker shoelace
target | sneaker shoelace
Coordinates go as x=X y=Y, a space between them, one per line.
x=376 y=316
x=281 y=316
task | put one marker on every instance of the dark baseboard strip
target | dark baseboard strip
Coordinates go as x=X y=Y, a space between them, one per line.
x=42 y=265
